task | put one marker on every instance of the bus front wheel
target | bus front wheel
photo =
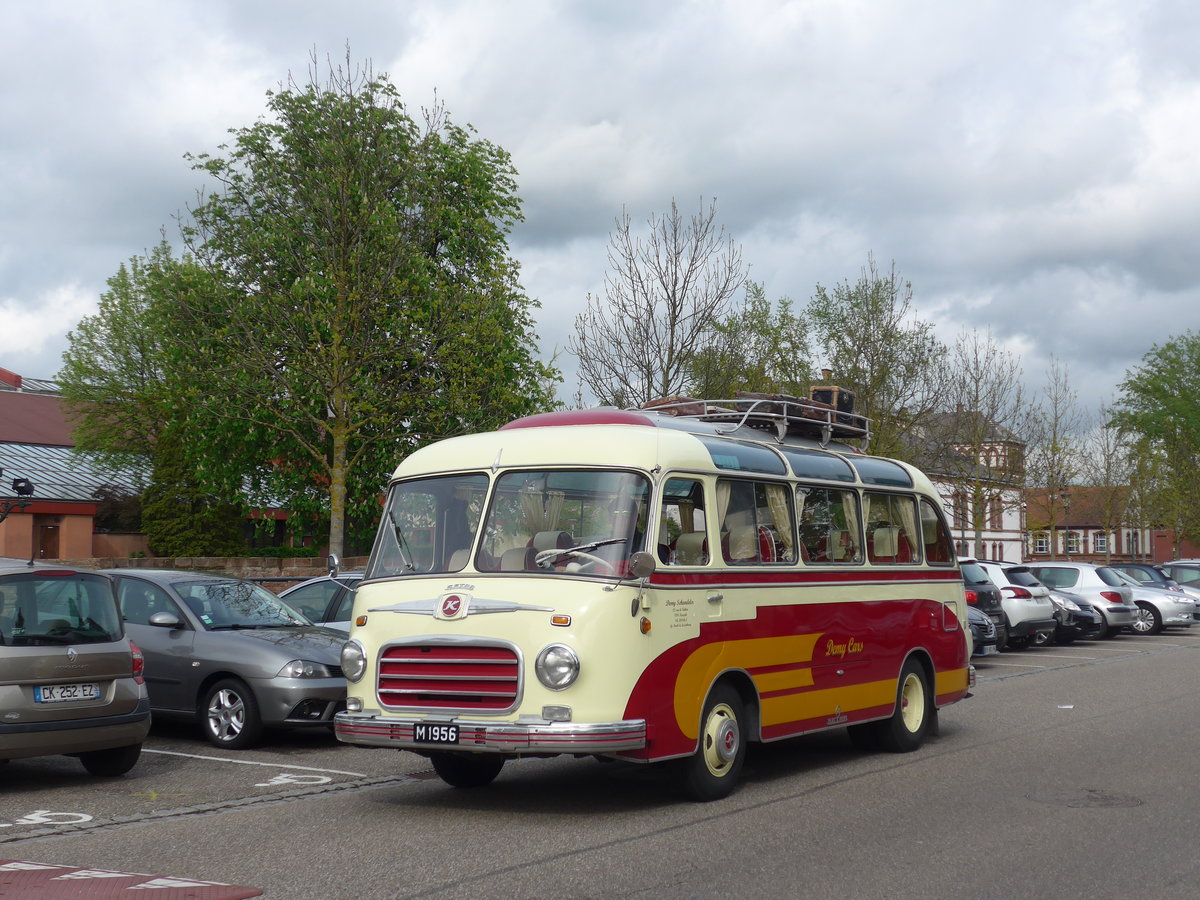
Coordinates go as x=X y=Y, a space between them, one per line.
x=712 y=771
x=905 y=731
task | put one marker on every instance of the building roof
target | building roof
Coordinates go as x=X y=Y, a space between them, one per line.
x=58 y=473
x=30 y=416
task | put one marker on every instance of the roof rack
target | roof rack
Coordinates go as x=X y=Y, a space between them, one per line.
x=781 y=413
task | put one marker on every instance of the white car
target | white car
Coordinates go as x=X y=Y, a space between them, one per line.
x=1028 y=608
x=1104 y=587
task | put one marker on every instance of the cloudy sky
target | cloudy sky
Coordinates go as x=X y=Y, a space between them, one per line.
x=1028 y=166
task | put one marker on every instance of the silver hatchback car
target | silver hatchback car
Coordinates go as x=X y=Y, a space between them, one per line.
x=1108 y=592
x=230 y=654
x=70 y=679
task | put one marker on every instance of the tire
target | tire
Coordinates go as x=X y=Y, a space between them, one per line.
x=1148 y=621
x=1002 y=636
x=1066 y=639
x=231 y=717
x=1018 y=643
x=1111 y=631
x=111 y=763
x=467 y=770
x=712 y=771
x=905 y=731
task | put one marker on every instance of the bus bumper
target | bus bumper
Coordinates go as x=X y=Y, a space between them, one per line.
x=540 y=736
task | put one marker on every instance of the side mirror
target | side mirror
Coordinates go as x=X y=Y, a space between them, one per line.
x=642 y=564
x=335 y=565
x=164 y=619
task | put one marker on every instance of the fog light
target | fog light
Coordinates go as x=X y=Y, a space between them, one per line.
x=354 y=704
x=556 y=713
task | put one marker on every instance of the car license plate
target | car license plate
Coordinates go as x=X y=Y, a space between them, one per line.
x=424 y=733
x=62 y=693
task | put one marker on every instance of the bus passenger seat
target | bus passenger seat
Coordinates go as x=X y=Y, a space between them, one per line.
x=885 y=543
x=518 y=559
x=552 y=540
x=743 y=544
x=691 y=549
x=458 y=560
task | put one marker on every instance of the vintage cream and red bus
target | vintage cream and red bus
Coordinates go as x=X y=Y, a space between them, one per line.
x=651 y=585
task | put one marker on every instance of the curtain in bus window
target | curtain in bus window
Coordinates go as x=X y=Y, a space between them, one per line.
x=541 y=513
x=782 y=518
x=907 y=519
x=850 y=511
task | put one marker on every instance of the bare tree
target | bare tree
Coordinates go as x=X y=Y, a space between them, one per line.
x=663 y=295
x=978 y=447
x=1055 y=448
x=1106 y=467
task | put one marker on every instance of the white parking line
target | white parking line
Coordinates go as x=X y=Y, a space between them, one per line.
x=251 y=762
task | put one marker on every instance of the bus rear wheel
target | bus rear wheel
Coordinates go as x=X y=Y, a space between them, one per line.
x=467 y=770
x=905 y=730
x=712 y=771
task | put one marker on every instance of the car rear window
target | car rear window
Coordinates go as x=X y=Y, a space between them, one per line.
x=1110 y=577
x=974 y=574
x=53 y=607
x=1022 y=576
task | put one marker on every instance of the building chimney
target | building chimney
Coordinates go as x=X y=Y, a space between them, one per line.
x=12 y=379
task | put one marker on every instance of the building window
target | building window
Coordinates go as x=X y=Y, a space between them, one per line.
x=1100 y=543
x=996 y=512
x=1072 y=542
x=960 y=510
x=1041 y=543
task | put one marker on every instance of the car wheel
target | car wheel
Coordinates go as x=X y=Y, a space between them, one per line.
x=905 y=730
x=1002 y=636
x=1148 y=621
x=467 y=770
x=1065 y=639
x=712 y=771
x=231 y=717
x=111 y=763
x=1018 y=643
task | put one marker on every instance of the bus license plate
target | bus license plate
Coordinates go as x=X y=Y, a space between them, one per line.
x=62 y=693
x=435 y=734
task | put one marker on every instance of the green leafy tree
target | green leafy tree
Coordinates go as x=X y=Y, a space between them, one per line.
x=363 y=302
x=761 y=347
x=179 y=516
x=869 y=337
x=1159 y=411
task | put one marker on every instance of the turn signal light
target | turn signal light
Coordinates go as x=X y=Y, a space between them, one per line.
x=645 y=625
x=360 y=621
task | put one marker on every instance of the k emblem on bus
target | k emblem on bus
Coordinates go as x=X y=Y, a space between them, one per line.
x=453 y=606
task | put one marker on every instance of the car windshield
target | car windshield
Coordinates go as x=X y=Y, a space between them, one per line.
x=57 y=608
x=428 y=525
x=1185 y=575
x=236 y=604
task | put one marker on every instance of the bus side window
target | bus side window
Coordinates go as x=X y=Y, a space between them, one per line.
x=891 y=527
x=829 y=530
x=756 y=522
x=934 y=536
x=682 y=528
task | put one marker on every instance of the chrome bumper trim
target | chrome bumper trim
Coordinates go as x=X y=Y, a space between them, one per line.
x=364 y=729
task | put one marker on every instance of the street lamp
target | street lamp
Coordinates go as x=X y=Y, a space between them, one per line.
x=23 y=488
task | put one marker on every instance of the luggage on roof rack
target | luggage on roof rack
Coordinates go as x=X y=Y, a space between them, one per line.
x=782 y=413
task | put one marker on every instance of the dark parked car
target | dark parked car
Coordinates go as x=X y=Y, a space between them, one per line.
x=231 y=654
x=984 y=595
x=326 y=600
x=70 y=680
x=1077 y=619
x=983 y=632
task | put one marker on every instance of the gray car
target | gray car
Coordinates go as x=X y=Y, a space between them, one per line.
x=230 y=653
x=326 y=600
x=70 y=680
x=1106 y=589
x=1158 y=607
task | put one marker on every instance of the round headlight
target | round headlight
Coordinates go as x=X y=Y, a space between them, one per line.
x=354 y=660
x=557 y=667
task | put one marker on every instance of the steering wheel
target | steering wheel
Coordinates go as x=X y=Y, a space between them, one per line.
x=589 y=560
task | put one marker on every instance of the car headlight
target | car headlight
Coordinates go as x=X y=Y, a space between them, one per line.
x=354 y=660
x=304 y=668
x=557 y=667
x=1068 y=604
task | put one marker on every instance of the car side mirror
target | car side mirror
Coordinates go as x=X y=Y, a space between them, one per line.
x=165 y=619
x=642 y=564
x=335 y=564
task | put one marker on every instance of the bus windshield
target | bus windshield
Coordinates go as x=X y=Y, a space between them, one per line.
x=585 y=521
